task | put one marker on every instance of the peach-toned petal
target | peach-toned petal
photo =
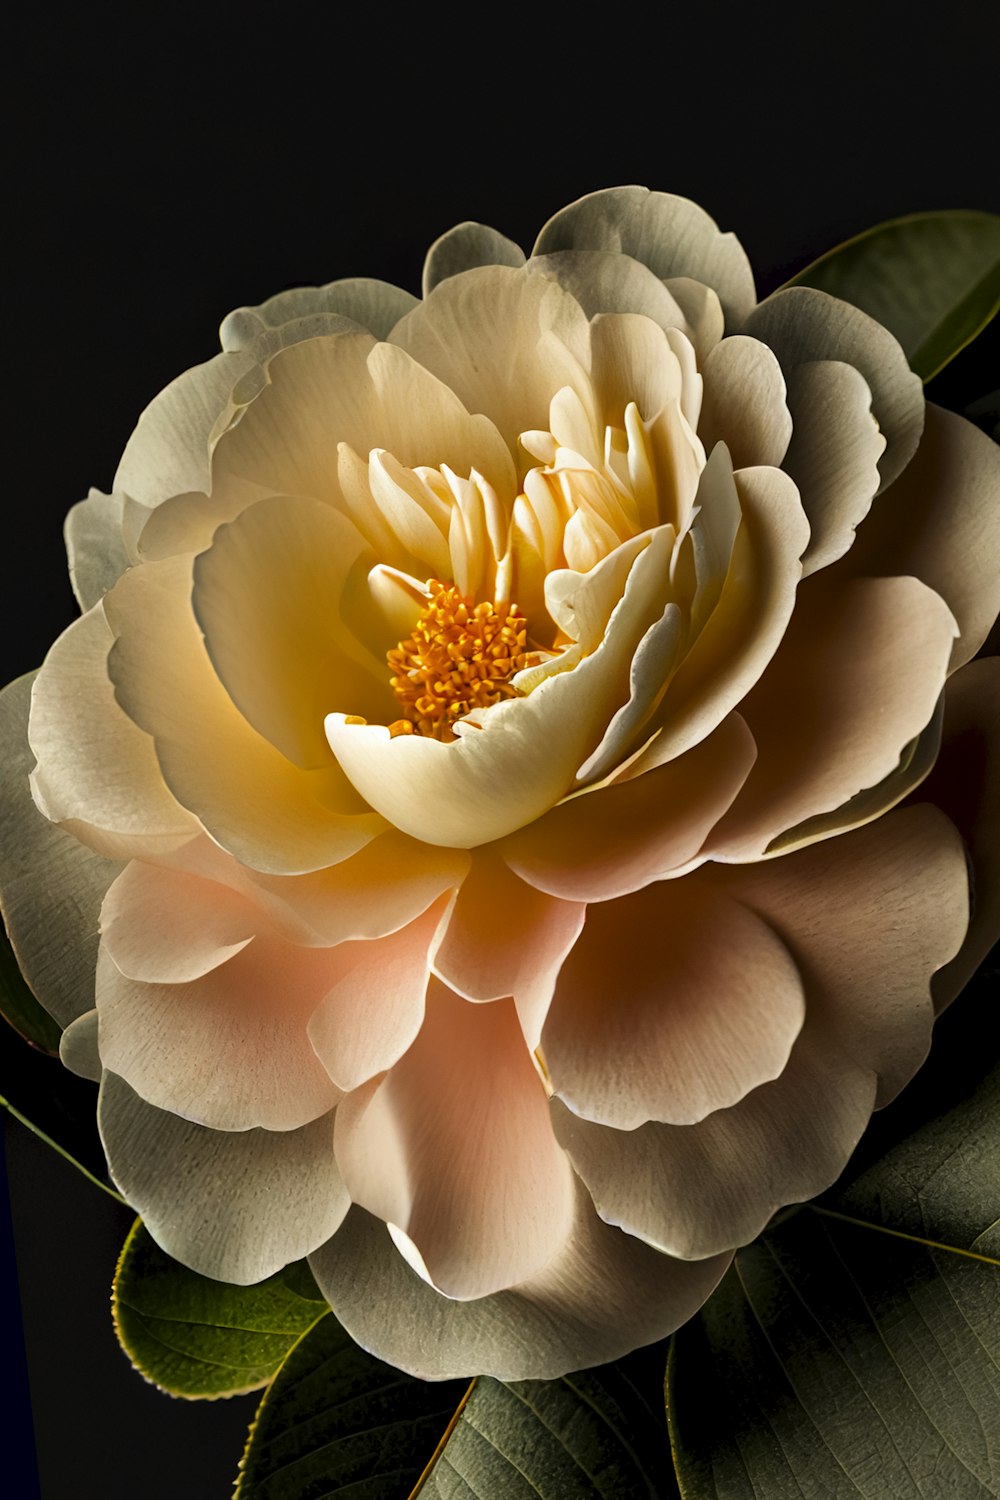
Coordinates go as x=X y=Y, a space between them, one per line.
x=941 y=522
x=856 y=678
x=617 y=838
x=251 y=799
x=373 y=305
x=675 y=1001
x=229 y=1049
x=97 y=772
x=507 y=938
x=463 y=248
x=455 y=1150
x=603 y=1294
x=95 y=546
x=744 y=403
x=163 y=926
x=253 y=1200
x=670 y=235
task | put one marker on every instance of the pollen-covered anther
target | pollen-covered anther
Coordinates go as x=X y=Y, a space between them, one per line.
x=460 y=657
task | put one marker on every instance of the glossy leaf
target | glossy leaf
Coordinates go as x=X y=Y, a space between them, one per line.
x=19 y=1005
x=194 y=1337
x=932 y=279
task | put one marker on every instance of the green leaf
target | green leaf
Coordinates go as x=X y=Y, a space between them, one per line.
x=932 y=279
x=19 y=1006
x=336 y=1420
x=854 y=1349
x=195 y=1337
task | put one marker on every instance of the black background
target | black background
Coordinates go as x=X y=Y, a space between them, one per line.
x=165 y=165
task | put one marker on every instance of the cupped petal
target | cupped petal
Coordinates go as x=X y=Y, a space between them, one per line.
x=941 y=522
x=252 y=1201
x=603 y=1294
x=744 y=403
x=253 y=801
x=802 y=325
x=164 y=926
x=465 y=247
x=78 y=1047
x=603 y=281
x=96 y=771
x=855 y=680
x=95 y=546
x=454 y=1149
x=228 y=1049
x=605 y=843
x=373 y=305
x=51 y=886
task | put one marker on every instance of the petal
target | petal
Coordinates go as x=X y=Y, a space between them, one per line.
x=744 y=403
x=466 y=246
x=670 y=235
x=52 y=886
x=454 y=1148
x=615 y=839
x=374 y=305
x=269 y=813
x=252 y=1201
x=801 y=325
x=95 y=546
x=941 y=522
x=673 y=1003
x=856 y=678
x=78 y=1047
x=96 y=771
x=603 y=281
x=602 y=1295
x=163 y=926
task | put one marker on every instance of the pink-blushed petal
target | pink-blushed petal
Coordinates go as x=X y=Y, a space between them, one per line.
x=165 y=927
x=601 y=1295
x=372 y=1013
x=504 y=341
x=252 y=1200
x=373 y=305
x=507 y=938
x=613 y=840
x=744 y=403
x=51 y=886
x=95 y=546
x=605 y=282
x=271 y=597
x=802 y=324
x=941 y=522
x=465 y=247
x=856 y=678
x=96 y=771
x=454 y=1148
x=229 y=1049
x=965 y=783
x=675 y=1001
x=269 y=813
x=670 y=235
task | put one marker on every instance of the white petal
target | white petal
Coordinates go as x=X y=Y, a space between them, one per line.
x=95 y=546
x=463 y=248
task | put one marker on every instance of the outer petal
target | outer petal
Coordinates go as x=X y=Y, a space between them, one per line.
x=801 y=325
x=674 y=1002
x=52 y=886
x=941 y=522
x=744 y=403
x=603 y=281
x=600 y=1296
x=95 y=546
x=463 y=248
x=373 y=305
x=252 y=1201
x=454 y=1149
x=670 y=235
x=162 y=926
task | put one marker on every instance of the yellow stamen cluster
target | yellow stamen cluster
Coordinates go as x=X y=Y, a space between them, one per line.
x=461 y=656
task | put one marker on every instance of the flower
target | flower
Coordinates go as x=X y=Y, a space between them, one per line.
x=520 y=752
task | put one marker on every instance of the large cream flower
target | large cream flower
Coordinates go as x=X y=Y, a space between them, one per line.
x=481 y=754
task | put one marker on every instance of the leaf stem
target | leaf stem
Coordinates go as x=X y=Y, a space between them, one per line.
x=899 y=1234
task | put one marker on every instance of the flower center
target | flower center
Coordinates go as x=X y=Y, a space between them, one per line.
x=461 y=656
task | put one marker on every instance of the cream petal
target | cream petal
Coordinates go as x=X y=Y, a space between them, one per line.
x=965 y=783
x=744 y=403
x=675 y=1001
x=374 y=305
x=802 y=324
x=51 y=886
x=454 y=1148
x=95 y=546
x=600 y=1296
x=229 y=1049
x=374 y=1010
x=271 y=597
x=706 y=322
x=507 y=938
x=251 y=799
x=632 y=360
x=941 y=522
x=78 y=1048
x=670 y=235
x=505 y=342
x=614 y=840
x=855 y=680
x=464 y=248
x=163 y=926
x=253 y=1201
x=603 y=281
x=96 y=771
